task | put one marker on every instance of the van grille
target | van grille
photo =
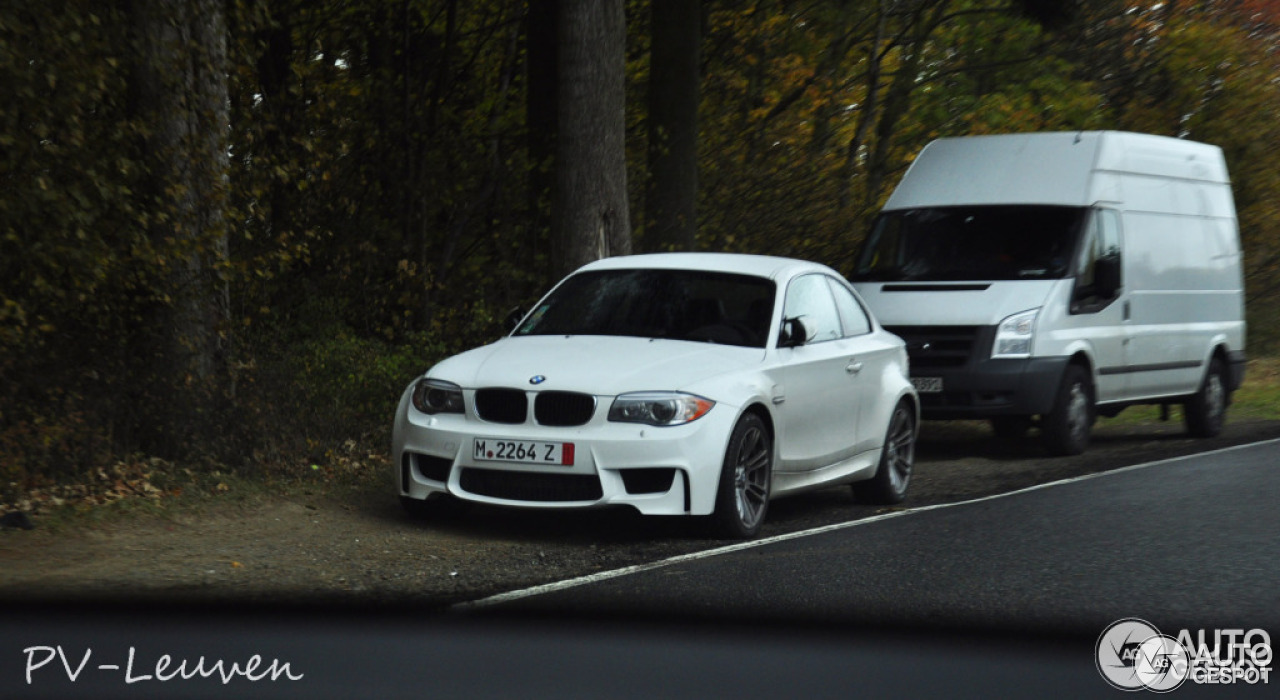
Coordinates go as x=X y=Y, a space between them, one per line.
x=939 y=346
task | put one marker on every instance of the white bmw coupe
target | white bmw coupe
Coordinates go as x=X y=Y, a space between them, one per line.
x=698 y=384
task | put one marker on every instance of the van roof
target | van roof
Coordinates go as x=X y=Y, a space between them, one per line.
x=1046 y=168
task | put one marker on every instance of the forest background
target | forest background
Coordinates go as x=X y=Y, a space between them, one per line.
x=231 y=231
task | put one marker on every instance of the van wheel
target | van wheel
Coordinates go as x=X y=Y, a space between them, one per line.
x=745 y=477
x=1066 y=428
x=1206 y=410
x=1011 y=427
x=893 y=475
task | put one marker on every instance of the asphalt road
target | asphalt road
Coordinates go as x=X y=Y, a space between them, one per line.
x=999 y=597
x=1187 y=542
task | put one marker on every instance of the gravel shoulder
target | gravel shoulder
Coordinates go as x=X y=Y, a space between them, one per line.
x=354 y=545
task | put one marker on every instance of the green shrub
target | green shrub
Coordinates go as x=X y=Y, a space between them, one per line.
x=353 y=384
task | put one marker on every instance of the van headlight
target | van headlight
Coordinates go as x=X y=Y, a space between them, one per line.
x=1013 y=335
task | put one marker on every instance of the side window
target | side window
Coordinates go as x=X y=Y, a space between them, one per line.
x=809 y=299
x=1099 y=268
x=884 y=247
x=852 y=317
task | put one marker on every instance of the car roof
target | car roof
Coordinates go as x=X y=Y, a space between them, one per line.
x=758 y=265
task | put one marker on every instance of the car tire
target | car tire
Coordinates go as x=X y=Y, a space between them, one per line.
x=897 y=458
x=1011 y=427
x=1066 y=428
x=742 y=497
x=1206 y=410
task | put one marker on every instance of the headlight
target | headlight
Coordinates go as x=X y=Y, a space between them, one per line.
x=435 y=396
x=659 y=408
x=1013 y=335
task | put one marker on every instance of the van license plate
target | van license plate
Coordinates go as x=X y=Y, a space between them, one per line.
x=927 y=385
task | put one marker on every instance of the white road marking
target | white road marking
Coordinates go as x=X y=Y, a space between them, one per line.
x=707 y=553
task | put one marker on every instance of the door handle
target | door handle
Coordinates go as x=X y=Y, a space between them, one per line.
x=853 y=367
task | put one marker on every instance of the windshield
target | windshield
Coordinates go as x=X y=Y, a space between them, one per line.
x=716 y=307
x=971 y=243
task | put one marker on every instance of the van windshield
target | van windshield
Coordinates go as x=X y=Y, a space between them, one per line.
x=971 y=243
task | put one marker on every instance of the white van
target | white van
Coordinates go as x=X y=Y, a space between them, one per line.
x=1062 y=275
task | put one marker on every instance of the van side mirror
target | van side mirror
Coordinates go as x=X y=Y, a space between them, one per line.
x=793 y=334
x=1106 y=276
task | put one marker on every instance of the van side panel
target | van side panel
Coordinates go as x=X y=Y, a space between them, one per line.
x=1182 y=266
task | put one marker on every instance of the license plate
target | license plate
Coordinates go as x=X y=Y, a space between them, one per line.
x=927 y=385
x=523 y=451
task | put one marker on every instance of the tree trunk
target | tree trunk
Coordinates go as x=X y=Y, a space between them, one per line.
x=591 y=216
x=897 y=99
x=179 y=94
x=541 y=104
x=672 y=188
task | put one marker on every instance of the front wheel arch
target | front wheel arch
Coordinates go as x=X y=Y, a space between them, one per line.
x=1066 y=427
x=746 y=478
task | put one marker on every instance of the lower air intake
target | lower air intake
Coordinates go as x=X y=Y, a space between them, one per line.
x=526 y=486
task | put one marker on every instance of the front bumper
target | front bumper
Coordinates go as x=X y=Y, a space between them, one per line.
x=656 y=470
x=992 y=388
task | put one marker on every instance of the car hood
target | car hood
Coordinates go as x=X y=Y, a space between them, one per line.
x=600 y=365
x=946 y=304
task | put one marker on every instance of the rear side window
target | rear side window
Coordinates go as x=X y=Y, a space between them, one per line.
x=852 y=316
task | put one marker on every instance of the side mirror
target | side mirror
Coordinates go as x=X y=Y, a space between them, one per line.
x=1106 y=276
x=793 y=334
x=513 y=319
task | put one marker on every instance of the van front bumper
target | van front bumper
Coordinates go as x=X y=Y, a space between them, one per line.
x=991 y=388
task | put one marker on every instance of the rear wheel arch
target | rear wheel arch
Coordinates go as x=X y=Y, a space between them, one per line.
x=1221 y=354
x=892 y=477
x=1205 y=411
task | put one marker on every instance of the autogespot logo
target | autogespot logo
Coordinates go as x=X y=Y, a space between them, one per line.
x=1132 y=654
